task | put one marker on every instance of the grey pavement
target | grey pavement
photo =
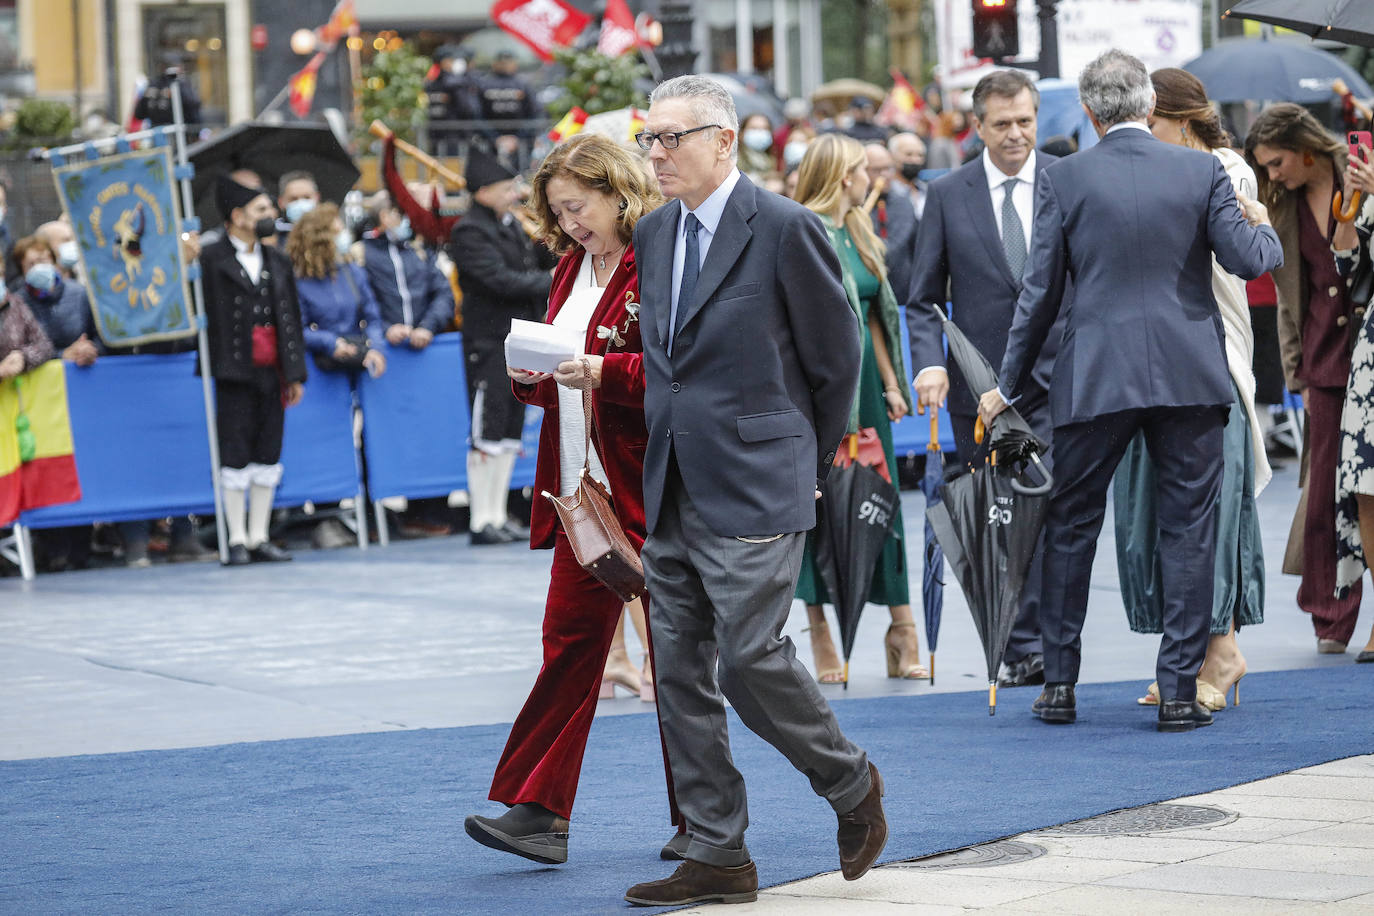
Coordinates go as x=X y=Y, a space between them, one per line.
x=434 y=633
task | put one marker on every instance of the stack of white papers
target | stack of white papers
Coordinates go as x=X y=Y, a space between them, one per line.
x=538 y=347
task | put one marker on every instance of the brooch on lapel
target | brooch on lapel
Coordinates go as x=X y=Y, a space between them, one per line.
x=610 y=334
x=631 y=309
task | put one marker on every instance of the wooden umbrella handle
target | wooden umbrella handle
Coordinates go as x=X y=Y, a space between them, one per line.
x=874 y=194
x=934 y=444
x=382 y=132
x=1349 y=213
x=980 y=431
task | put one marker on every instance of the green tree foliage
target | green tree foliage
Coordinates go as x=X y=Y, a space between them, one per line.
x=393 y=91
x=41 y=123
x=597 y=83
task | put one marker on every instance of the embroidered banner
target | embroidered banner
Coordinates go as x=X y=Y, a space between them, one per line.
x=124 y=212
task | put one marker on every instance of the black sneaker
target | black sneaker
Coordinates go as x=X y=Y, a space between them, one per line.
x=238 y=556
x=489 y=535
x=527 y=830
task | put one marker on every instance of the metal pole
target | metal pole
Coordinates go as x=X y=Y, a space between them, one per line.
x=202 y=335
x=1049 y=38
x=76 y=53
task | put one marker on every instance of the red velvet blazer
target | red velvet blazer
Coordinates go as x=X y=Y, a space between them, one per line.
x=617 y=406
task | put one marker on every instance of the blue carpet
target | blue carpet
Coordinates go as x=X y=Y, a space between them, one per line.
x=373 y=823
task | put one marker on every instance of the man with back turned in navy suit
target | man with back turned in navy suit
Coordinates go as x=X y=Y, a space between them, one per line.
x=972 y=244
x=1135 y=222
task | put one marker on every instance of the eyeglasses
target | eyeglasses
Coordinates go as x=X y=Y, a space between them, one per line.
x=669 y=139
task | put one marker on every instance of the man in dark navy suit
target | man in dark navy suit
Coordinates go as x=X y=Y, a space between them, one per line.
x=1135 y=222
x=971 y=249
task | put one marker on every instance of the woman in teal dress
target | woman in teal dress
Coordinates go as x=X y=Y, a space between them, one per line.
x=832 y=181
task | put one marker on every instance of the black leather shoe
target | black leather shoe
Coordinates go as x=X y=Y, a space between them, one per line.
x=1365 y=657
x=697 y=882
x=1056 y=704
x=527 y=830
x=1183 y=715
x=238 y=556
x=515 y=531
x=267 y=552
x=675 y=850
x=488 y=535
x=1027 y=672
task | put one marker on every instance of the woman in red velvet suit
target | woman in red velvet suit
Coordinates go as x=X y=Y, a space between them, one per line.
x=587 y=197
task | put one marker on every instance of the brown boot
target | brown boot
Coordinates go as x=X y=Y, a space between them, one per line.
x=863 y=831
x=697 y=882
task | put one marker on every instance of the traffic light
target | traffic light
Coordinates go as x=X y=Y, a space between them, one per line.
x=994 y=29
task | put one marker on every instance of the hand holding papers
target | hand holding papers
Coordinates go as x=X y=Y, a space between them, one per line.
x=537 y=347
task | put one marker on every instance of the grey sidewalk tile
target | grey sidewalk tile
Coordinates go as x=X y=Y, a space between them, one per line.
x=1096 y=900
x=1350 y=766
x=913 y=885
x=1058 y=868
x=1345 y=788
x=1352 y=835
x=1291 y=857
x=775 y=903
x=1293 y=807
x=1272 y=884
x=1250 y=830
x=1157 y=849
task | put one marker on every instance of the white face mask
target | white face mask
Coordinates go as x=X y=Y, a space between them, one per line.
x=792 y=153
x=342 y=242
x=68 y=254
x=758 y=138
x=2 y=214
x=457 y=66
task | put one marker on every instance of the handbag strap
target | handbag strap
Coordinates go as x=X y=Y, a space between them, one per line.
x=586 y=415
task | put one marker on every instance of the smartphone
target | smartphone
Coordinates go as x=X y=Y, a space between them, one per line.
x=1358 y=138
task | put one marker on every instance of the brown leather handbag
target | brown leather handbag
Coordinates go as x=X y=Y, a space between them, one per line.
x=598 y=541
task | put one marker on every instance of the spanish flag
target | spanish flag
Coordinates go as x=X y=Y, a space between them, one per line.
x=37 y=467
x=903 y=106
x=572 y=123
x=303 y=85
x=637 y=119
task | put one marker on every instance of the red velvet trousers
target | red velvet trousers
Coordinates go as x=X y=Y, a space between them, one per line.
x=543 y=756
x=1332 y=617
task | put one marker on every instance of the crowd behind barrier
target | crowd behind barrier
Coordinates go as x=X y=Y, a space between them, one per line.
x=139 y=433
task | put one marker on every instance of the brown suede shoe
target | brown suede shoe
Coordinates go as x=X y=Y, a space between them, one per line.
x=697 y=882
x=863 y=831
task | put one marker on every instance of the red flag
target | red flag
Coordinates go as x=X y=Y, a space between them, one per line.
x=541 y=24
x=343 y=21
x=903 y=106
x=618 y=33
x=303 y=86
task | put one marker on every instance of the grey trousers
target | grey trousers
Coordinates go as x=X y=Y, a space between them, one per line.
x=719 y=605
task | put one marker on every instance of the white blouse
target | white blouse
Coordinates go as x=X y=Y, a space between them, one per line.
x=576 y=314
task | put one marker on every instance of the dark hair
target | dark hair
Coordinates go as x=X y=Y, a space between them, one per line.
x=1289 y=126
x=1006 y=84
x=296 y=175
x=1180 y=96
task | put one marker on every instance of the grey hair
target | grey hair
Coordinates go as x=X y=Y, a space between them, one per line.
x=708 y=100
x=1116 y=87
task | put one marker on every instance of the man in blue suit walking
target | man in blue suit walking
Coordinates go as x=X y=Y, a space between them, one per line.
x=1135 y=222
x=971 y=250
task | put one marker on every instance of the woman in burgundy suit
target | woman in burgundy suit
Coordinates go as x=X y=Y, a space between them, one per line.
x=587 y=197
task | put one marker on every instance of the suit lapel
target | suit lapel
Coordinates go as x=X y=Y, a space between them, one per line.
x=979 y=202
x=228 y=263
x=731 y=236
x=665 y=240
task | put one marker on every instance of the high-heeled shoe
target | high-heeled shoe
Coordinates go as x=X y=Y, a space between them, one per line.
x=620 y=672
x=1227 y=689
x=646 y=681
x=1209 y=696
x=903 y=652
x=828 y=669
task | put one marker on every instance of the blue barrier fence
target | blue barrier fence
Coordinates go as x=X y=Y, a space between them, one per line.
x=138 y=428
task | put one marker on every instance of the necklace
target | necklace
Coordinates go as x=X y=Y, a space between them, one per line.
x=601 y=263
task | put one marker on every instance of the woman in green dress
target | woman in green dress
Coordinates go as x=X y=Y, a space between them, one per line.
x=832 y=181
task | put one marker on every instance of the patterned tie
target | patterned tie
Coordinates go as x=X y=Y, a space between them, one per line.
x=1013 y=234
x=691 y=266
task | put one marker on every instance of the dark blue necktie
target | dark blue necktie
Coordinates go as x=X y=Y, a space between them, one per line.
x=691 y=266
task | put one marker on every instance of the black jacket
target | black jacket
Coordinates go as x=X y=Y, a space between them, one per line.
x=502 y=274
x=229 y=299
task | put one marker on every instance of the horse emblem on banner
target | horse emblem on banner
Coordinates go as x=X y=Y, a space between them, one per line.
x=123 y=211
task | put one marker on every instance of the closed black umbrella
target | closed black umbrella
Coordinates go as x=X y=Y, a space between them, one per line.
x=1347 y=21
x=271 y=150
x=933 y=580
x=1278 y=70
x=857 y=509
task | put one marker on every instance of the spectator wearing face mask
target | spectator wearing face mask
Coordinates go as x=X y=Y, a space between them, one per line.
x=59 y=303
x=909 y=154
x=416 y=300
x=453 y=94
x=795 y=148
x=797 y=113
x=297 y=195
x=756 y=158
x=60 y=237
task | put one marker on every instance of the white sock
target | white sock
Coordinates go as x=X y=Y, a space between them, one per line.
x=259 y=514
x=234 y=516
x=480 y=468
x=504 y=467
